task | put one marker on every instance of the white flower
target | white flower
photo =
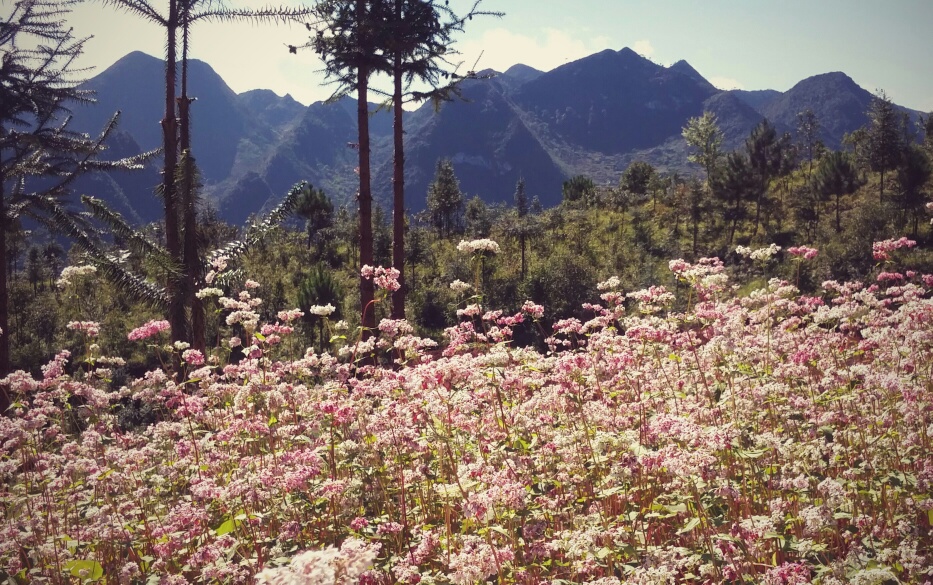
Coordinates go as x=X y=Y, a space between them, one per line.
x=459 y=286
x=482 y=245
x=209 y=292
x=321 y=311
x=72 y=272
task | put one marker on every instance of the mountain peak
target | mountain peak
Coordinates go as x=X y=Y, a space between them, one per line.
x=686 y=69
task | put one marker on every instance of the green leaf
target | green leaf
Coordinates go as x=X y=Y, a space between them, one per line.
x=226 y=527
x=691 y=524
x=93 y=569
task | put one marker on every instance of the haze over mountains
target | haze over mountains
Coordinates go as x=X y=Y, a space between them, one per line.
x=593 y=116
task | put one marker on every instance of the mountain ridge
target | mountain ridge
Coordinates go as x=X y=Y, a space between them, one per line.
x=591 y=116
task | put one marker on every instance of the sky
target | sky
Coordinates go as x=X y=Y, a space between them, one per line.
x=735 y=44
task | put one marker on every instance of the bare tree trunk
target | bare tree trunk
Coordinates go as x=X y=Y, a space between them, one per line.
x=398 y=186
x=191 y=263
x=4 y=299
x=367 y=288
x=174 y=284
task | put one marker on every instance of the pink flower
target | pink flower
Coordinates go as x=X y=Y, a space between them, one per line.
x=881 y=250
x=804 y=251
x=148 y=330
x=193 y=357
x=384 y=278
x=89 y=328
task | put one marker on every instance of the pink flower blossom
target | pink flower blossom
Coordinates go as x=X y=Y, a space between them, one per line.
x=148 y=330
x=193 y=357
x=89 y=328
x=882 y=250
x=803 y=251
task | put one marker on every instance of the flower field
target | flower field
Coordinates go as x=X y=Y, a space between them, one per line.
x=773 y=438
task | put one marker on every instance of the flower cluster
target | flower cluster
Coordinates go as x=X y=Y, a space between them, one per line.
x=803 y=252
x=882 y=250
x=384 y=278
x=482 y=245
x=209 y=292
x=70 y=273
x=89 y=328
x=148 y=330
x=321 y=310
x=291 y=315
x=759 y=254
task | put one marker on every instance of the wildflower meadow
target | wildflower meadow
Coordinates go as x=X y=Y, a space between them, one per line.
x=693 y=435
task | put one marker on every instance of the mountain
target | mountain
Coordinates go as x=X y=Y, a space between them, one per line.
x=489 y=143
x=756 y=98
x=278 y=113
x=594 y=116
x=687 y=69
x=838 y=102
x=612 y=102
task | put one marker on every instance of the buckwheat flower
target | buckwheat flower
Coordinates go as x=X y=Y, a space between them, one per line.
x=359 y=523
x=881 y=250
x=459 y=286
x=876 y=576
x=290 y=315
x=148 y=330
x=181 y=345
x=389 y=528
x=481 y=245
x=209 y=292
x=219 y=263
x=321 y=311
x=471 y=310
x=803 y=251
x=209 y=277
x=248 y=319
x=193 y=357
x=341 y=326
x=235 y=342
x=743 y=251
x=89 y=328
x=534 y=310
x=612 y=284
x=251 y=284
x=761 y=254
x=72 y=272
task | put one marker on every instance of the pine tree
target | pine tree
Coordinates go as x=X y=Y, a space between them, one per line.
x=445 y=200
x=704 y=136
x=885 y=137
x=766 y=157
x=521 y=210
x=808 y=136
x=419 y=47
x=836 y=176
x=351 y=37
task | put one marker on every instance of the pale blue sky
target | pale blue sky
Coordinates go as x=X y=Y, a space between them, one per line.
x=750 y=44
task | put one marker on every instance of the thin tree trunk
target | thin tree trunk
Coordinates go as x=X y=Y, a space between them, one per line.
x=190 y=260
x=398 y=185
x=367 y=288
x=174 y=285
x=4 y=299
x=522 y=241
x=838 y=217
